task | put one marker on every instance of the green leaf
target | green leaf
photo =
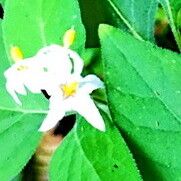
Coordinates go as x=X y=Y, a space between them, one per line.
x=34 y=25
x=2 y=2
x=18 y=141
x=92 y=61
x=173 y=10
x=89 y=55
x=19 y=177
x=138 y=15
x=144 y=94
x=178 y=19
x=94 y=13
x=88 y=154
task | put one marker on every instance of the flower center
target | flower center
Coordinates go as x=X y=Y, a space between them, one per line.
x=22 y=67
x=69 y=89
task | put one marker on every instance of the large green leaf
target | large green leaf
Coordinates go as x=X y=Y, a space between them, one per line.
x=144 y=94
x=138 y=15
x=32 y=25
x=88 y=154
x=18 y=141
x=173 y=10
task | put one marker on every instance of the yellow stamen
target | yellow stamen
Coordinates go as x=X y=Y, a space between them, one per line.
x=69 y=37
x=69 y=89
x=22 y=67
x=16 y=54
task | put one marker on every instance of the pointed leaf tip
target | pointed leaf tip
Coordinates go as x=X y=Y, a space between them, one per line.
x=103 y=29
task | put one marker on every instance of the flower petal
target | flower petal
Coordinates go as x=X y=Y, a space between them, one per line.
x=51 y=120
x=55 y=114
x=12 y=92
x=55 y=59
x=90 y=83
x=28 y=73
x=36 y=81
x=85 y=106
x=14 y=85
x=77 y=61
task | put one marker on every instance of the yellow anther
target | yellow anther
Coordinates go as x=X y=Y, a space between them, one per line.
x=22 y=67
x=69 y=37
x=69 y=89
x=16 y=53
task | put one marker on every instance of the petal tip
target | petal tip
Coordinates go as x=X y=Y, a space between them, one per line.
x=16 y=99
x=19 y=103
x=43 y=128
x=102 y=128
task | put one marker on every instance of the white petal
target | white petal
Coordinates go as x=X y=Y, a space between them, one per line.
x=33 y=77
x=53 y=117
x=55 y=59
x=90 y=83
x=77 y=62
x=12 y=92
x=31 y=63
x=85 y=106
x=55 y=114
x=36 y=82
x=13 y=87
x=16 y=86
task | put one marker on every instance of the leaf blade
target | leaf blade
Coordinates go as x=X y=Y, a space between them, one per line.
x=140 y=21
x=141 y=100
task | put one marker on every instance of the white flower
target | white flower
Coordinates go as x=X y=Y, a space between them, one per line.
x=25 y=73
x=68 y=90
x=34 y=72
x=57 y=70
x=72 y=94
